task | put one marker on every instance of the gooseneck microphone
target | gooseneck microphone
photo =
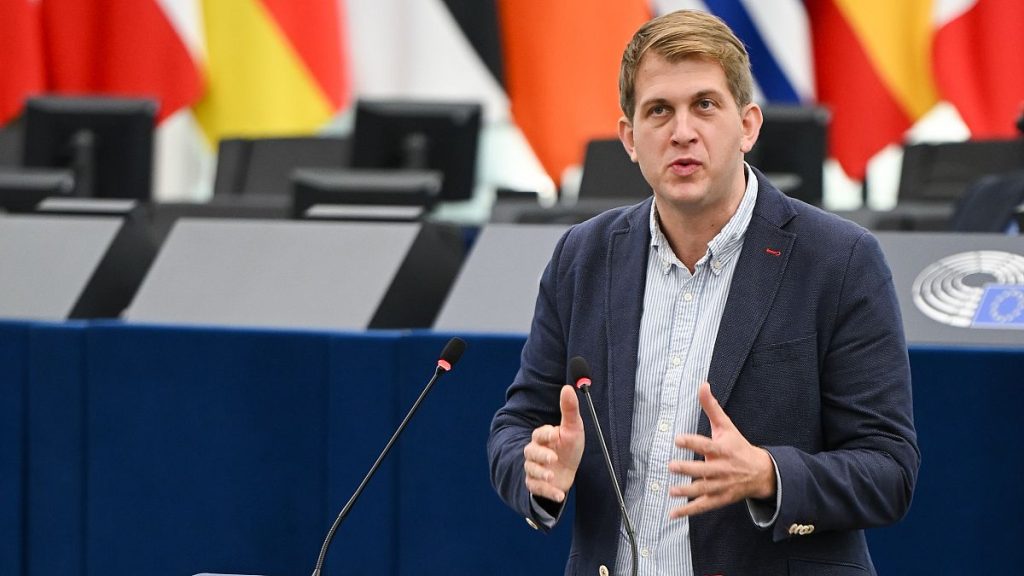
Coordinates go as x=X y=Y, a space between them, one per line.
x=579 y=371
x=449 y=356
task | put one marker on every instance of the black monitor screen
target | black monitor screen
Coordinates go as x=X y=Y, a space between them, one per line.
x=420 y=135
x=793 y=147
x=942 y=171
x=107 y=142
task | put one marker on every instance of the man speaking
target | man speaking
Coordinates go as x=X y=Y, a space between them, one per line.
x=746 y=349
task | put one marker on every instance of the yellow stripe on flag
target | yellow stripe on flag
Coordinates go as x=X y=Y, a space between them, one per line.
x=256 y=83
x=897 y=37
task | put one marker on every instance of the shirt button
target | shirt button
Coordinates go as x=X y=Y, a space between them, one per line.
x=645 y=552
x=676 y=361
x=716 y=265
x=688 y=296
x=655 y=486
x=662 y=426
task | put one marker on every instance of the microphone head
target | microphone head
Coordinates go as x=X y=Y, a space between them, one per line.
x=579 y=372
x=452 y=352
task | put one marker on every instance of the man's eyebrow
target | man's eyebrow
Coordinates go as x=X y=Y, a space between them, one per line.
x=658 y=100
x=710 y=92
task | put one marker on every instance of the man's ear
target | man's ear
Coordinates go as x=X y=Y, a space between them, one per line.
x=751 y=119
x=626 y=137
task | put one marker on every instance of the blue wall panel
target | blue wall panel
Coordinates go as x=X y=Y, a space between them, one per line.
x=450 y=519
x=13 y=375
x=363 y=370
x=161 y=450
x=205 y=451
x=967 y=513
x=57 y=456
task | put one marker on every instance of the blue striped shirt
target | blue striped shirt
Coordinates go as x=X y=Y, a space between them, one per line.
x=681 y=315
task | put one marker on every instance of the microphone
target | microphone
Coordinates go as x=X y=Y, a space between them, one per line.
x=579 y=371
x=449 y=356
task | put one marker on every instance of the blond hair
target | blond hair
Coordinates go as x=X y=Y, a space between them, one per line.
x=686 y=34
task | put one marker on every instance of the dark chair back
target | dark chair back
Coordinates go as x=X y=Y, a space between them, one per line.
x=990 y=204
x=264 y=166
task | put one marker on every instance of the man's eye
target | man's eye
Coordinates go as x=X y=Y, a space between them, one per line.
x=659 y=110
x=705 y=104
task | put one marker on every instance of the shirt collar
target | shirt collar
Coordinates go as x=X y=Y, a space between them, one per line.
x=725 y=245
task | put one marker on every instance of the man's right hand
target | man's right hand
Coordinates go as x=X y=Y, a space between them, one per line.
x=554 y=453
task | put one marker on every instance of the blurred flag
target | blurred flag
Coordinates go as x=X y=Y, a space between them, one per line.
x=979 y=62
x=873 y=65
x=274 y=67
x=776 y=35
x=562 y=62
x=20 y=56
x=447 y=50
x=118 y=47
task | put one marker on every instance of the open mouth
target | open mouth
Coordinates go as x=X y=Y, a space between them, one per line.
x=684 y=166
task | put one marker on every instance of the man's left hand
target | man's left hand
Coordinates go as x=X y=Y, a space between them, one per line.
x=732 y=469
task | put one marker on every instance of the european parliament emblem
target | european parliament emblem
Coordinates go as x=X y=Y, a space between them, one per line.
x=1002 y=306
x=979 y=289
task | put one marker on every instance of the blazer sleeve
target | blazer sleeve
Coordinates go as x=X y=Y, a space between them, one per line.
x=865 y=476
x=532 y=399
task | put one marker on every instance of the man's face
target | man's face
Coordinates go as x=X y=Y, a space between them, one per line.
x=688 y=135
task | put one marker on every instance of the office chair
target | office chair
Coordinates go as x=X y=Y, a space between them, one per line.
x=941 y=172
x=264 y=166
x=990 y=204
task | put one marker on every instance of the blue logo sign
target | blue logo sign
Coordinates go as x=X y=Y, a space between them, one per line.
x=1001 y=306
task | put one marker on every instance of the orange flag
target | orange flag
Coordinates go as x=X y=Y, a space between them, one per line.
x=561 y=71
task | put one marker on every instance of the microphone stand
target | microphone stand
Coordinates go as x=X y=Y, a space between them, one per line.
x=373 y=469
x=615 y=483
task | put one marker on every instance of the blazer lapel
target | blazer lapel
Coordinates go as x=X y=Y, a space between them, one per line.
x=755 y=283
x=627 y=275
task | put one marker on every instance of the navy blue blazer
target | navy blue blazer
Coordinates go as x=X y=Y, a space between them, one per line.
x=810 y=363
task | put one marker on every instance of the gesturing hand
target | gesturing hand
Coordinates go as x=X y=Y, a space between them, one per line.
x=733 y=469
x=553 y=454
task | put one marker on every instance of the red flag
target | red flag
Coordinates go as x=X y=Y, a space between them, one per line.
x=118 y=47
x=979 y=66
x=21 y=65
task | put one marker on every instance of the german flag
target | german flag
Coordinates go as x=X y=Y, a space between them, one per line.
x=273 y=67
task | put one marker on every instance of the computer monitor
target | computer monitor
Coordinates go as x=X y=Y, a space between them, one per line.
x=107 y=142
x=420 y=135
x=23 y=189
x=940 y=172
x=609 y=173
x=363 y=194
x=792 y=148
